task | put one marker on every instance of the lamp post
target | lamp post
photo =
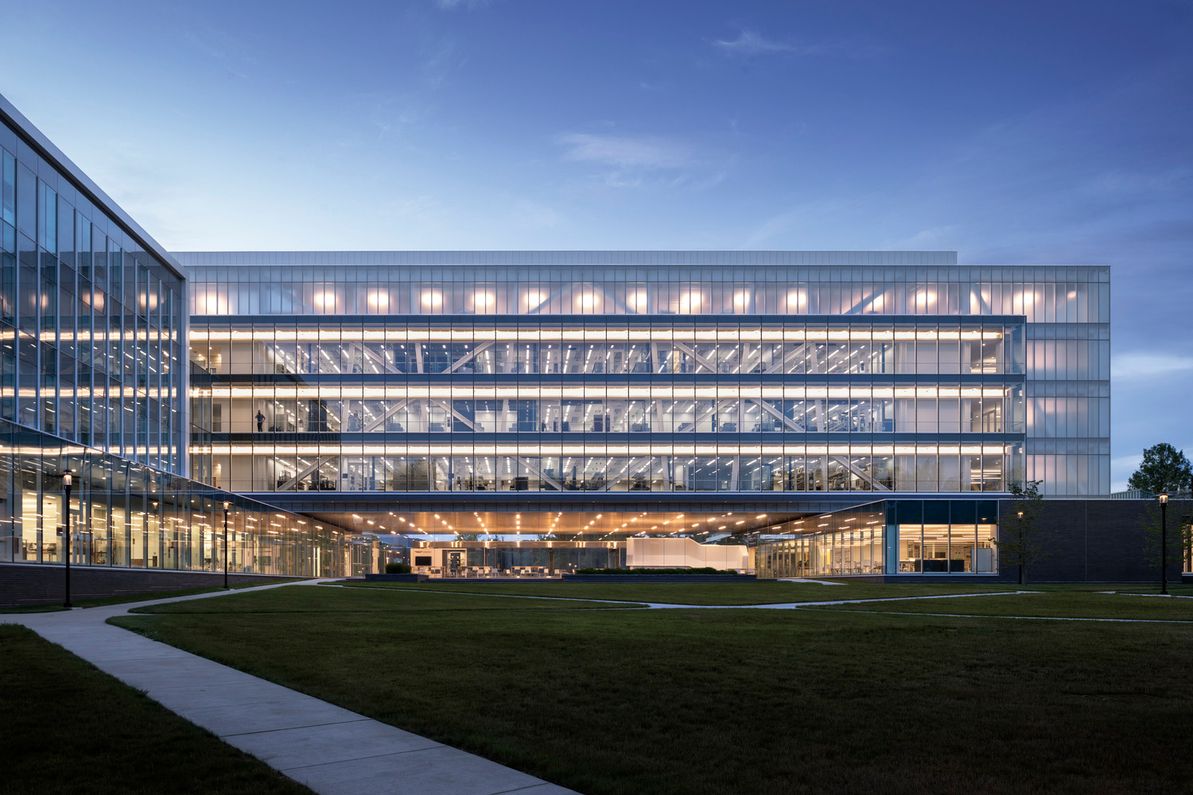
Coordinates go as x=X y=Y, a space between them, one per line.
x=1163 y=543
x=67 y=480
x=159 y=536
x=1020 y=515
x=227 y=505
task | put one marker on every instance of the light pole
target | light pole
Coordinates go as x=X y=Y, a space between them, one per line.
x=1163 y=543
x=227 y=505
x=1021 y=545
x=67 y=480
x=159 y=536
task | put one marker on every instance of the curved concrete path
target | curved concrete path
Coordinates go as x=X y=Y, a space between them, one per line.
x=325 y=747
x=682 y=606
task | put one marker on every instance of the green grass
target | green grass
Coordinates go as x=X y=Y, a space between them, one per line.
x=709 y=701
x=140 y=596
x=67 y=727
x=738 y=593
x=33 y=609
x=1176 y=589
x=1051 y=603
x=353 y=601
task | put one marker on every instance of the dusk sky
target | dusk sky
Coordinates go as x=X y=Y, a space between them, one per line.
x=1033 y=132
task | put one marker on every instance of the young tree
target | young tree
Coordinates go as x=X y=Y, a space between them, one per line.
x=1153 y=536
x=1187 y=542
x=1019 y=537
x=1164 y=470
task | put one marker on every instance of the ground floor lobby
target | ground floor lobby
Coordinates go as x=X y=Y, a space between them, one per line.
x=1079 y=540
x=494 y=537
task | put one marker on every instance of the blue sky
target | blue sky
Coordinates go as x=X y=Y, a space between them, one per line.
x=1011 y=132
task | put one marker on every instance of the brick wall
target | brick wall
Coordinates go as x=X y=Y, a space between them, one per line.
x=31 y=584
x=1102 y=541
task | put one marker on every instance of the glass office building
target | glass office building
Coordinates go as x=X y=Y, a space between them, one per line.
x=588 y=396
x=863 y=411
x=94 y=379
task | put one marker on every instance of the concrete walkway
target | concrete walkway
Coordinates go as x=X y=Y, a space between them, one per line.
x=807 y=581
x=627 y=603
x=622 y=603
x=325 y=747
x=832 y=602
x=1028 y=618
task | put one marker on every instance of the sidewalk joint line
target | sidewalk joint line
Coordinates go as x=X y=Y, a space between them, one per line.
x=359 y=719
x=430 y=747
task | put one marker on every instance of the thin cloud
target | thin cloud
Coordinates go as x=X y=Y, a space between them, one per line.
x=626 y=151
x=751 y=43
x=942 y=236
x=528 y=213
x=1121 y=468
x=806 y=221
x=452 y=5
x=1142 y=365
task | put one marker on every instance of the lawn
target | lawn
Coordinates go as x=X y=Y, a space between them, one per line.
x=1050 y=603
x=68 y=727
x=333 y=599
x=729 y=593
x=141 y=596
x=703 y=701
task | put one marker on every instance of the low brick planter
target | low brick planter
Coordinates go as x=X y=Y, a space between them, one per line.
x=644 y=578
x=29 y=584
x=395 y=577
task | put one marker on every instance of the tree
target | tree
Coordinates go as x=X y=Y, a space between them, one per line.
x=1151 y=535
x=1180 y=535
x=1187 y=541
x=1164 y=470
x=1019 y=537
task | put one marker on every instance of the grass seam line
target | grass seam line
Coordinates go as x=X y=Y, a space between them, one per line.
x=1016 y=618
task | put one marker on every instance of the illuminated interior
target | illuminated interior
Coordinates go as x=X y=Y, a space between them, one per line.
x=558 y=525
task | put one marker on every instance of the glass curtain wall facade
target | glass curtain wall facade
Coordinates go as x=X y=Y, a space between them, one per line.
x=648 y=371
x=124 y=514
x=93 y=377
x=517 y=404
x=93 y=321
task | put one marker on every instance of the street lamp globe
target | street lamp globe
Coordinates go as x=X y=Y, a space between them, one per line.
x=67 y=480
x=1163 y=498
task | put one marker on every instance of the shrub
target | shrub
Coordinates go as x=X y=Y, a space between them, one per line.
x=397 y=568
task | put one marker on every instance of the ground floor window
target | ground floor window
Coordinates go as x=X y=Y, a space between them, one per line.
x=944 y=536
x=891 y=537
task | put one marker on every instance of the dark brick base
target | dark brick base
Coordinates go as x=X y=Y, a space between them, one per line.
x=652 y=578
x=1103 y=541
x=31 y=584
